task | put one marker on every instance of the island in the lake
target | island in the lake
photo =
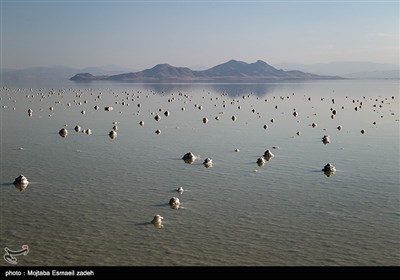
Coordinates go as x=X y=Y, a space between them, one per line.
x=232 y=71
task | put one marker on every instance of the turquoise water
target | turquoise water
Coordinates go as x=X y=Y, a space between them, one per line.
x=90 y=199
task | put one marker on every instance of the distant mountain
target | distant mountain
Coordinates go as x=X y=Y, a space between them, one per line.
x=106 y=70
x=231 y=71
x=198 y=67
x=83 y=77
x=388 y=74
x=234 y=68
x=164 y=72
x=36 y=75
x=347 y=69
x=52 y=74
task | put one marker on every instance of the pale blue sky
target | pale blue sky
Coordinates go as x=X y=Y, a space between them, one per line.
x=140 y=34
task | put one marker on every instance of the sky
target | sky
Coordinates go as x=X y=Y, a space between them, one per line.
x=141 y=34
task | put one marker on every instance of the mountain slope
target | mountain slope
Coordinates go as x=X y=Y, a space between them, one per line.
x=160 y=72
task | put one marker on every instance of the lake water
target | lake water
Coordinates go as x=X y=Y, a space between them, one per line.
x=91 y=198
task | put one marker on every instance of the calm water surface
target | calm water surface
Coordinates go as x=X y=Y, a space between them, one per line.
x=91 y=198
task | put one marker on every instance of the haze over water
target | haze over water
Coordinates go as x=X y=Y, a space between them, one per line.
x=91 y=198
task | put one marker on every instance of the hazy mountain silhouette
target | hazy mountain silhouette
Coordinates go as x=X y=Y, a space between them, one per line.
x=348 y=69
x=231 y=71
x=41 y=76
x=158 y=72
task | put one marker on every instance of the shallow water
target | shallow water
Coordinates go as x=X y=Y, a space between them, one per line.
x=91 y=198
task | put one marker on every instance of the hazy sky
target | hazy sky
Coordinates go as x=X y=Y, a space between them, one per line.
x=140 y=34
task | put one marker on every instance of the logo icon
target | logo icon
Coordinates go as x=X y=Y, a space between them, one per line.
x=9 y=256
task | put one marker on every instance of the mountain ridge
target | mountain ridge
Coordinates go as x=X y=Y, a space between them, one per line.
x=230 y=71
